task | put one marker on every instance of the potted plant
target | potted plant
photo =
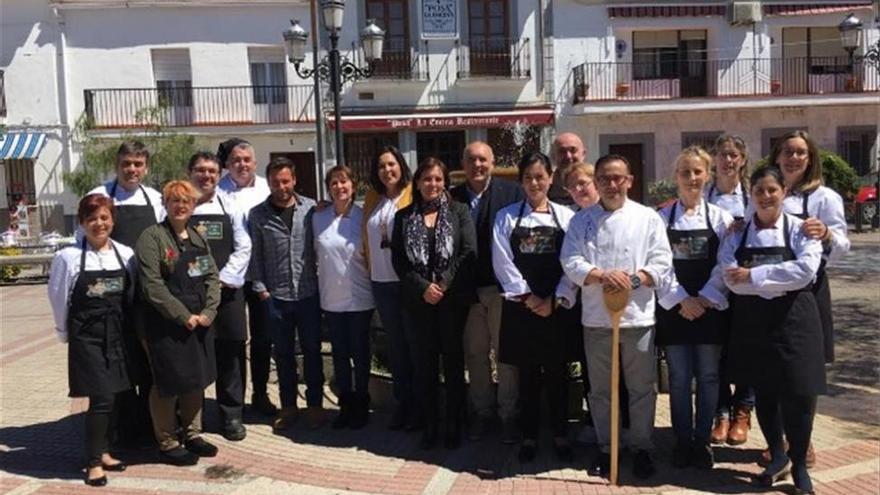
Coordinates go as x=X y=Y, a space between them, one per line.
x=622 y=89
x=775 y=86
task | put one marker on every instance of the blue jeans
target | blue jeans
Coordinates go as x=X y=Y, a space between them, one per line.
x=398 y=328
x=743 y=395
x=350 y=336
x=687 y=362
x=286 y=319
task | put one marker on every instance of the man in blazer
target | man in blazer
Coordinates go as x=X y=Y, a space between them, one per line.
x=485 y=196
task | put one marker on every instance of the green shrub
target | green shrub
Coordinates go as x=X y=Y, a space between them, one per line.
x=661 y=191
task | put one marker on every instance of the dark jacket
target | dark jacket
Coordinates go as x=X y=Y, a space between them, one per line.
x=460 y=270
x=499 y=194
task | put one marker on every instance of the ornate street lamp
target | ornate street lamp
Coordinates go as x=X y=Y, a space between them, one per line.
x=850 y=37
x=333 y=69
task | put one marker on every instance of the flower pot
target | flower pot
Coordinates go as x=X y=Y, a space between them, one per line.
x=775 y=86
x=622 y=89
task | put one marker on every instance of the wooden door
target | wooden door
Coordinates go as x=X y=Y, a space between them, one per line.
x=393 y=17
x=634 y=153
x=305 y=172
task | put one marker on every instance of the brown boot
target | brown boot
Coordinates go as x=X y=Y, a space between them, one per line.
x=740 y=426
x=765 y=459
x=811 y=456
x=719 y=432
x=285 y=419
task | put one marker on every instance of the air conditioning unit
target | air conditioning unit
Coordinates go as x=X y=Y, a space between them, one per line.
x=744 y=13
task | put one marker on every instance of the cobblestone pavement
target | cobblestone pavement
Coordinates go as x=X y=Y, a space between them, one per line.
x=41 y=429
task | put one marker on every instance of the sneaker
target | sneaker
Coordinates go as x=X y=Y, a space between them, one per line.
x=285 y=419
x=234 y=431
x=178 y=456
x=263 y=405
x=479 y=428
x=702 y=455
x=201 y=447
x=643 y=466
x=509 y=432
x=682 y=454
x=601 y=465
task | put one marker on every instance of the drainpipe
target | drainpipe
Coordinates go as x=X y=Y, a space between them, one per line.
x=61 y=95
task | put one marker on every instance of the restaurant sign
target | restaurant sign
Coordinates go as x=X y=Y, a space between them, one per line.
x=446 y=121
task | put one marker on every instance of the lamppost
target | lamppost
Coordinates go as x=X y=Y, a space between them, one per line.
x=332 y=69
x=850 y=37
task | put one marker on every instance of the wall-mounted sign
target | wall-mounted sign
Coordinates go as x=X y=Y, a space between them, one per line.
x=439 y=19
x=446 y=121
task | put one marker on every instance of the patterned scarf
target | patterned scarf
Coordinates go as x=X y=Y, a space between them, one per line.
x=417 y=243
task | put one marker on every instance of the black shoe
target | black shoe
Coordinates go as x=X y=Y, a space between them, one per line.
x=643 y=466
x=118 y=467
x=342 y=419
x=778 y=470
x=601 y=465
x=564 y=452
x=102 y=481
x=262 y=404
x=200 y=447
x=527 y=452
x=682 y=454
x=234 y=431
x=702 y=455
x=398 y=419
x=803 y=485
x=178 y=456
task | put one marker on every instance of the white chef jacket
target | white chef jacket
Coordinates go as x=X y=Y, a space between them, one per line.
x=233 y=273
x=631 y=238
x=133 y=198
x=771 y=281
x=65 y=270
x=343 y=282
x=731 y=202
x=245 y=198
x=671 y=294
x=381 y=269
x=826 y=205
x=512 y=282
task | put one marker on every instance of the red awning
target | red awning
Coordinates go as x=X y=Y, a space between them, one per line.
x=815 y=8
x=537 y=116
x=668 y=11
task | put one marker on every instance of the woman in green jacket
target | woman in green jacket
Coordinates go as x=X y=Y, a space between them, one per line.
x=180 y=286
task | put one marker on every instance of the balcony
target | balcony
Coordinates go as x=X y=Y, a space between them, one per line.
x=494 y=58
x=204 y=106
x=675 y=79
x=400 y=62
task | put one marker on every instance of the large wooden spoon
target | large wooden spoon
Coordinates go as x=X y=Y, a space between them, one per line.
x=615 y=303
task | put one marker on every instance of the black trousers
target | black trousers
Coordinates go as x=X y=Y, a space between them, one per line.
x=554 y=379
x=261 y=341
x=231 y=376
x=440 y=331
x=99 y=418
x=789 y=414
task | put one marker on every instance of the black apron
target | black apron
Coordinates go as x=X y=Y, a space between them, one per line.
x=743 y=194
x=96 y=363
x=130 y=222
x=776 y=344
x=822 y=293
x=182 y=361
x=694 y=255
x=527 y=339
x=217 y=230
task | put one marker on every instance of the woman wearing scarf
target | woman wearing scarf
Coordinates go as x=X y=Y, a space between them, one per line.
x=433 y=244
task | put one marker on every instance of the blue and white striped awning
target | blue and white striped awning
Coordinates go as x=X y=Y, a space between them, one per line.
x=21 y=145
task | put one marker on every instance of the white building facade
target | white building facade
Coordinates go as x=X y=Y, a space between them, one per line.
x=645 y=79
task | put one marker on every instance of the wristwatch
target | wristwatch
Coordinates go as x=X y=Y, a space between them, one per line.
x=635 y=281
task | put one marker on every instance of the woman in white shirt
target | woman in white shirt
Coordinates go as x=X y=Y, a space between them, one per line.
x=390 y=192
x=89 y=289
x=346 y=297
x=690 y=325
x=776 y=335
x=535 y=315
x=730 y=191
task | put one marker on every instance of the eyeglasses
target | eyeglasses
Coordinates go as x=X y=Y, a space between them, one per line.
x=605 y=180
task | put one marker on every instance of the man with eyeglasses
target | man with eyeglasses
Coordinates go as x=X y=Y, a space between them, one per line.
x=616 y=245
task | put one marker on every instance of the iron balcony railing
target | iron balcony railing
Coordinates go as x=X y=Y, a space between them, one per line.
x=400 y=61
x=673 y=79
x=203 y=106
x=493 y=57
x=2 y=94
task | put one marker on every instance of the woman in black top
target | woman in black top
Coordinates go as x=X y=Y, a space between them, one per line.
x=432 y=249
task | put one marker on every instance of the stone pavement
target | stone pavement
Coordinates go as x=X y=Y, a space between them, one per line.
x=41 y=430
